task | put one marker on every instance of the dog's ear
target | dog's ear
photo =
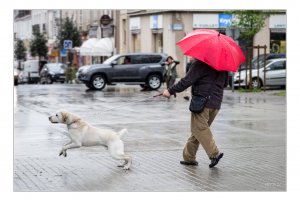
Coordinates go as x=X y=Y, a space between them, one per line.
x=64 y=117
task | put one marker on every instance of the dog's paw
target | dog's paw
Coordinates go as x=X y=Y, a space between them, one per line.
x=62 y=152
x=126 y=167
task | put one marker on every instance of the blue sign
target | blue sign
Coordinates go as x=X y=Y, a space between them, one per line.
x=63 y=52
x=177 y=27
x=225 y=20
x=68 y=44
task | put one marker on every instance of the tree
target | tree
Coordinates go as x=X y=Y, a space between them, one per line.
x=20 y=50
x=38 y=45
x=69 y=32
x=249 y=22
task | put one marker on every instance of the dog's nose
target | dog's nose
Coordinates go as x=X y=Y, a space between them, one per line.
x=49 y=118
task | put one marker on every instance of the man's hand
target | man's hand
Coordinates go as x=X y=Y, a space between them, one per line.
x=166 y=93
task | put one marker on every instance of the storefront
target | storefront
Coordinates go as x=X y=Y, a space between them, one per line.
x=218 y=22
x=277 y=25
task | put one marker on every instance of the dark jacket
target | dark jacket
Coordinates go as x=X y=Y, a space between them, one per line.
x=200 y=76
x=188 y=66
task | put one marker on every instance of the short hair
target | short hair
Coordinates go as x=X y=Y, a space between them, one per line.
x=169 y=57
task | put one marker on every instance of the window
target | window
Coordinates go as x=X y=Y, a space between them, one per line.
x=44 y=29
x=124 y=60
x=145 y=59
x=155 y=58
x=279 y=65
x=137 y=59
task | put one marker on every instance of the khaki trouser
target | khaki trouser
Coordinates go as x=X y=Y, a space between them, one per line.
x=201 y=134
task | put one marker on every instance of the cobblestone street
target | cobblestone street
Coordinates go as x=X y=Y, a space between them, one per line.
x=250 y=129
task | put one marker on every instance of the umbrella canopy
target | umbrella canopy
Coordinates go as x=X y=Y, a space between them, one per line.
x=217 y=50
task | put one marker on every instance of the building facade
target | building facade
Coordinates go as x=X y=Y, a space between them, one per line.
x=160 y=30
x=143 y=30
x=49 y=23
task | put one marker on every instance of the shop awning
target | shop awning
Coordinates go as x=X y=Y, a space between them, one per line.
x=97 y=47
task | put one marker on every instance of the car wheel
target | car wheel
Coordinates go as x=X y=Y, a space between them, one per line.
x=49 y=80
x=154 y=81
x=256 y=83
x=98 y=82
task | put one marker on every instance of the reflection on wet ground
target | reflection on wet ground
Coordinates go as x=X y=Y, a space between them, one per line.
x=248 y=129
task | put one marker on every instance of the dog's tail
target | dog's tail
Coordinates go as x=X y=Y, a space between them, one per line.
x=122 y=132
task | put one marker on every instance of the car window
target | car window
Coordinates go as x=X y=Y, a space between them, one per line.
x=278 y=65
x=55 y=67
x=155 y=58
x=124 y=60
x=137 y=59
x=109 y=60
x=146 y=59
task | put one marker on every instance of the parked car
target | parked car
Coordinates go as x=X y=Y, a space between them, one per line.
x=261 y=57
x=30 y=71
x=143 y=69
x=53 y=72
x=275 y=75
x=16 y=76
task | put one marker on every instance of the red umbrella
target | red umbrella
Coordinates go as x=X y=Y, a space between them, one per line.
x=217 y=50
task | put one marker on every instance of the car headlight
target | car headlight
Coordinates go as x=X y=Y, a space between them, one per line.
x=84 y=69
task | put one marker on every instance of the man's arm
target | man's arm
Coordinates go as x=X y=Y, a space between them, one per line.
x=191 y=77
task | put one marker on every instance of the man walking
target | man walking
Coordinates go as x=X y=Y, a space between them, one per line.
x=205 y=81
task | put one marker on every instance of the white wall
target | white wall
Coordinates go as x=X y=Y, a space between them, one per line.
x=262 y=38
x=146 y=34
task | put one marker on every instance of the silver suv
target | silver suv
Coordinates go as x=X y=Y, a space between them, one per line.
x=145 y=69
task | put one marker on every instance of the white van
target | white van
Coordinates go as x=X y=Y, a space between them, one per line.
x=31 y=71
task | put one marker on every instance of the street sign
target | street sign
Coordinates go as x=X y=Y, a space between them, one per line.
x=63 y=52
x=68 y=44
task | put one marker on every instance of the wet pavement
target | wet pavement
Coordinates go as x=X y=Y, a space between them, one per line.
x=250 y=129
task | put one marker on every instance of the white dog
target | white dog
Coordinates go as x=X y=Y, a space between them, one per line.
x=83 y=134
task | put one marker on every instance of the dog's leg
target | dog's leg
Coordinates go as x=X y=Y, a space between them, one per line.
x=123 y=164
x=68 y=146
x=64 y=152
x=127 y=158
x=68 y=143
x=116 y=150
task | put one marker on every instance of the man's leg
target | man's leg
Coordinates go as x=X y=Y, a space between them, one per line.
x=201 y=131
x=190 y=149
